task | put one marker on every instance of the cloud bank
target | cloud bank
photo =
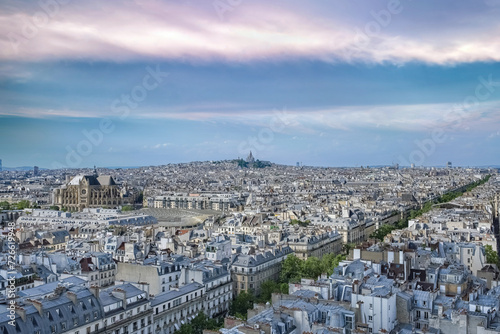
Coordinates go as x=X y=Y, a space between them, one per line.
x=372 y=31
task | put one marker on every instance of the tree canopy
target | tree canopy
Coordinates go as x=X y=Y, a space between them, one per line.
x=241 y=304
x=198 y=324
x=294 y=269
x=491 y=255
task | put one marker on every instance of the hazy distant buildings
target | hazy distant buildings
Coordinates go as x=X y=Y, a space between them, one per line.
x=35 y=171
x=88 y=191
x=250 y=158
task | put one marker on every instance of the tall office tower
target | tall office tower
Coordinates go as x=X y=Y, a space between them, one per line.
x=448 y=164
x=35 y=171
x=0 y=165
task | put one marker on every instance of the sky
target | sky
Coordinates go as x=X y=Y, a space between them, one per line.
x=324 y=83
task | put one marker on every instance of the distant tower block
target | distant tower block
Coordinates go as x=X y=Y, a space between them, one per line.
x=298 y=164
x=35 y=171
x=0 y=165
x=449 y=164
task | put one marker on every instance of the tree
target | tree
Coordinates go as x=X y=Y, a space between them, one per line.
x=268 y=288
x=24 y=204
x=330 y=261
x=382 y=231
x=185 y=329
x=312 y=268
x=127 y=208
x=300 y=222
x=346 y=248
x=291 y=269
x=4 y=205
x=491 y=255
x=54 y=207
x=198 y=324
x=284 y=288
x=241 y=304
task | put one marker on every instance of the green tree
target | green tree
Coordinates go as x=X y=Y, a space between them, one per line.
x=382 y=231
x=198 y=324
x=291 y=269
x=346 y=248
x=330 y=261
x=284 y=288
x=127 y=208
x=491 y=255
x=241 y=304
x=4 y=205
x=300 y=222
x=24 y=204
x=312 y=268
x=185 y=329
x=54 y=207
x=267 y=288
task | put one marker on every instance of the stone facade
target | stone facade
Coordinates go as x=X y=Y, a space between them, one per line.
x=88 y=191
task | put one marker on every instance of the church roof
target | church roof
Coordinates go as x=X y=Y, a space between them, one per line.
x=106 y=180
x=103 y=180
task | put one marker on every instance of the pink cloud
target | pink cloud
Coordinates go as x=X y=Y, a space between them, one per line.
x=124 y=31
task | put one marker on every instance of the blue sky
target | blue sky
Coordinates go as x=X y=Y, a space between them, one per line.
x=341 y=83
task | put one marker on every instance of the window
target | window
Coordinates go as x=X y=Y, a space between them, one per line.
x=370 y=318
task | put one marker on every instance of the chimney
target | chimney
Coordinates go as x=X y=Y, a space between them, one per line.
x=72 y=296
x=59 y=290
x=38 y=305
x=21 y=312
x=355 y=287
x=120 y=294
x=94 y=289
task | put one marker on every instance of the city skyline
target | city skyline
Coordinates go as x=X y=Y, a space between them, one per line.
x=139 y=83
